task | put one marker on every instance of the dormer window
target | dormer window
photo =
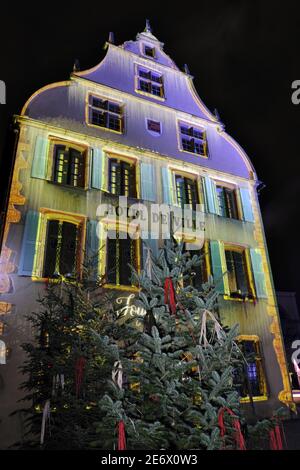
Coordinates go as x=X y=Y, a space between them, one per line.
x=149 y=51
x=150 y=82
x=193 y=139
x=105 y=113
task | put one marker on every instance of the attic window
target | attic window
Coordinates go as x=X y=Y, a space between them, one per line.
x=149 y=51
x=150 y=82
x=193 y=139
x=104 y=113
x=153 y=127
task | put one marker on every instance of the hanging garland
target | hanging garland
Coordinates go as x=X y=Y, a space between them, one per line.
x=239 y=438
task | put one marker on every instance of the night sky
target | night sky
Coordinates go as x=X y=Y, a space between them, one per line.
x=244 y=56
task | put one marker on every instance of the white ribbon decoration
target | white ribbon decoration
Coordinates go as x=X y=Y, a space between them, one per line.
x=117 y=374
x=46 y=416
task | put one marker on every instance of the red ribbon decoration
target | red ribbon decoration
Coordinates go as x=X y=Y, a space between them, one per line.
x=236 y=424
x=79 y=367
x=121 y=437
x=170 y=295
x=275 y=438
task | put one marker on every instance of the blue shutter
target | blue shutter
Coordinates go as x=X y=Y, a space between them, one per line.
x=218 y=267
x=97 y=168
x=92 y=248
x=148 y=183
x=29 y=243
x=246 y=204
x=39 y=163
x=258 y=273
x=166 y=185
x=210 y=195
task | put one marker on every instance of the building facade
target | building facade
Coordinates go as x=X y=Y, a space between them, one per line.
x=133 y=126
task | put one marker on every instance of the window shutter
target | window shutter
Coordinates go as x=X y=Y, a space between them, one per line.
x=92 y=248
x=246 y=204
x=97 y=180
x=167 y=187
x=39 y=163
x=29 y=243
x=148 y=183
x=258 y=273
x=211 y=196
x=219 y=266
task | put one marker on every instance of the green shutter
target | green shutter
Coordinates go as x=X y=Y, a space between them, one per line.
x=167 y=187
x=258 y=273
x=29 y=243
x=219 y=266
x=92 y=248
x=148 y=183
x=97 y=168
x=39 y=163
x=246 y=204
x=210 y=195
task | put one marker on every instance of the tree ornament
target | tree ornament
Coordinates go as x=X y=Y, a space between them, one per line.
x=239 y=438
x=121 y=436
x=79 y=368
x=169 y=297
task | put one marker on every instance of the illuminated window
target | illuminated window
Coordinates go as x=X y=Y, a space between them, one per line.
x=149 y=51
x=122 y=179
x=120 y=253
x=186 y=191
x=193 y=139
x=153 y=126
x=69 y=166
x=150 y=82
x=237 y=273
x=252 y=378
x=198 y=274
x=104 y=113
x=62 y=244
x=227 y=202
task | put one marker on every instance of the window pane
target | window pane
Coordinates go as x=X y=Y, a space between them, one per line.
x=221 y=201
x=111 y=261
x=156 y=90
x=145 y=86
x=241 y=273
x=149 y=51
x=231 y=203
x=61 y=165
x=127 y=256
x=115 y=177
x=51 y=247
x=153 y=126
x=68 y=248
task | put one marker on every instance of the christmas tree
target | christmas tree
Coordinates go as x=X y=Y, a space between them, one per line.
x=173 y=384
x=67 y=366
